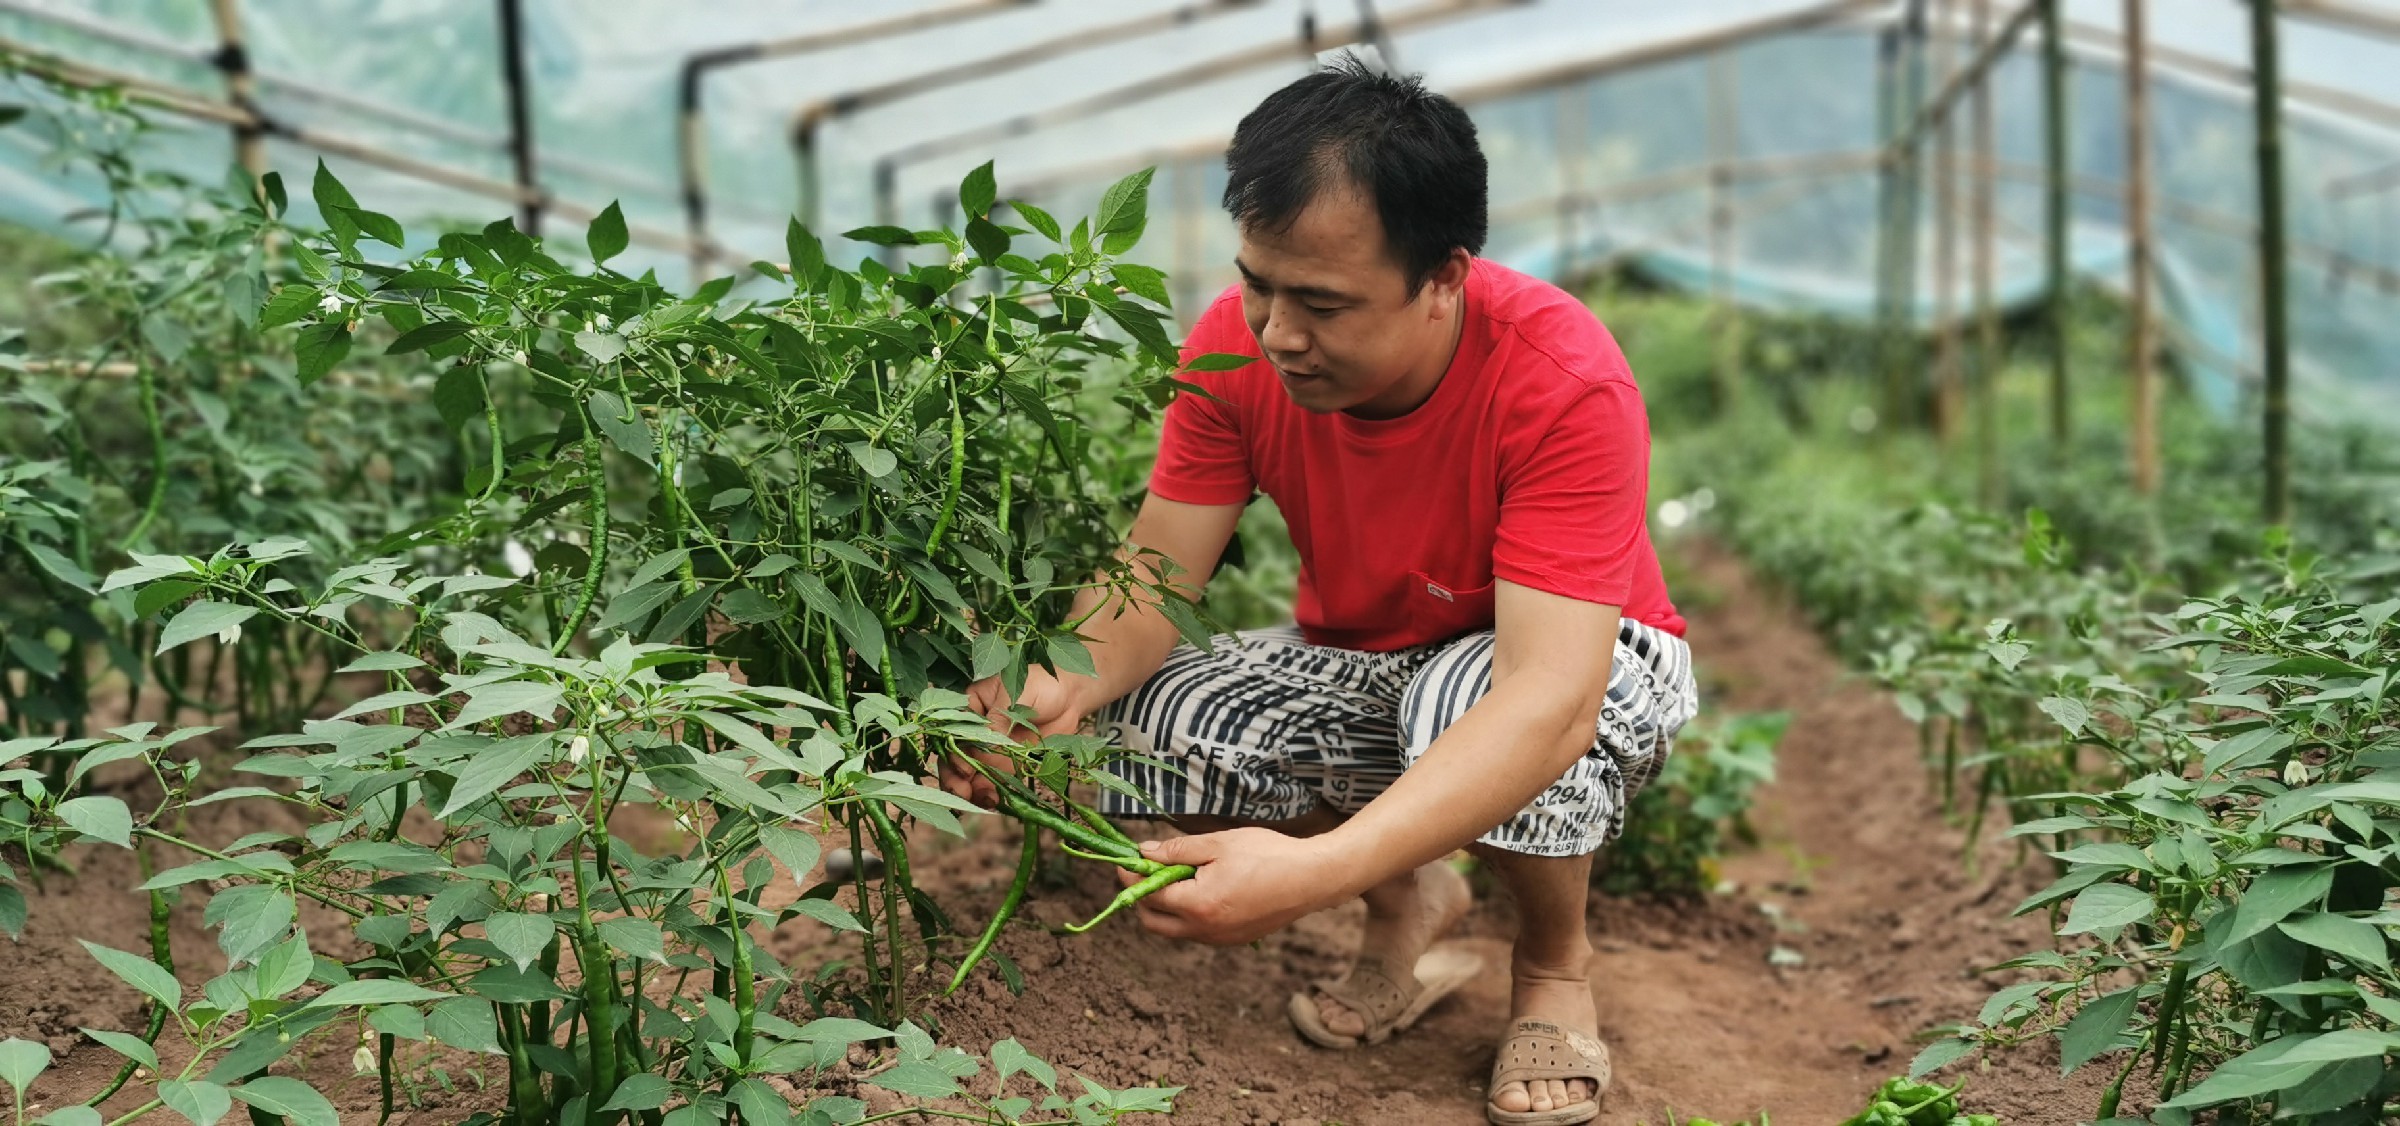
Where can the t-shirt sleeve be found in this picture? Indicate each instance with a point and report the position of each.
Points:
(1202, 454)
(1572, 513)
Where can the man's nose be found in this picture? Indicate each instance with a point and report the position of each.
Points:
(1282, 333)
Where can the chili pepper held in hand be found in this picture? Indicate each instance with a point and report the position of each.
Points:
(1166, 874)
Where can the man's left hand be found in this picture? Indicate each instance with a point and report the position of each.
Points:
(1250, 883)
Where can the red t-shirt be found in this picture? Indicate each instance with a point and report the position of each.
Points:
(1531, 463)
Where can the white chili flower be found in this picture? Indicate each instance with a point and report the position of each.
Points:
(600, 321)
(230, 635)
(577, 748)
(332, 303)
(362, 1061)
(518, 357)
(2295, 773)
(958, 261)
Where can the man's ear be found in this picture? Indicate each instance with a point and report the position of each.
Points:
(1450, 279)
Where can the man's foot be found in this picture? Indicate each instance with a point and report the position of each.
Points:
(1562, 997)
(1402, 923)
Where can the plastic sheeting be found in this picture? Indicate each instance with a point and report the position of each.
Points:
(1608, 168)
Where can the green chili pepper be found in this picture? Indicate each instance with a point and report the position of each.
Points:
(1138, 892)
(958, 474)
(1092, 817)
(1027, 858)
(597, 567)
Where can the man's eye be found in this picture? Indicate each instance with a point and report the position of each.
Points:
(1321, 311)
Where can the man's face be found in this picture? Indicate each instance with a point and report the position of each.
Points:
(1330, 306)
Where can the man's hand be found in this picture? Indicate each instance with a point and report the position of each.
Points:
(1057, 709)
(1250, 882)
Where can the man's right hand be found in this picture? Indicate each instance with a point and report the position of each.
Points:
(1056, 707)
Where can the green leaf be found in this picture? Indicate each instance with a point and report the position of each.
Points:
(493, 767)
(2070, 714)
(334, 203)
(916, 1077)
(297, 1102)
(630, 434)
(382, 662)
(426, 336)
(989, 241)
(12, 912)
(1143, 282)
(100, 817)
(747, 606)
(601, 346)
(991, 654)
(840, 1030)
(290, 303)
(1038, 219)
(319, 348)
(202, 619)
(1010, 1057)
(71, 1116)
(760, 1104)
(977, 191)
(465, 1023)
(876, 461)
(640, 1092)
(374, 991)
(285, 967)
(127, 1045)
(805, 253)
(2272, 898)
(398, 1020)
(520, 936)
(606, 237)
(2360, 943)
(509, 697)
(635, 937)
(2107, 906)
(2098, 1027)
(797, 851)
(21, 1061)
(139, 972)
(199, 1100)
(829, 913)
(401, 699)
(376, 225)
(1938, 1055)
(882, 236)
(1124, 210)
(60, 567)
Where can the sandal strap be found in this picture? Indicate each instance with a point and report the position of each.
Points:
(1537, 1050)
(1373, 992)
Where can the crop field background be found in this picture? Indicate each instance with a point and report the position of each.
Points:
(500, 503)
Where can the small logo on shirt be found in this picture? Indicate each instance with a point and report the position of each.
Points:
(1438, 592)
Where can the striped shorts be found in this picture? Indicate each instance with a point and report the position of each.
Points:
(1268, 726)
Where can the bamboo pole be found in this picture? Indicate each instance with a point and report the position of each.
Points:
(1311, 40)
(520, 116)
(1724, 124)
(1887, 232)
(1985, 376)
(1570, 135)
(1946, 399)
(2276, 405)
(2140, 337)
(2055, 212)
(241, 87)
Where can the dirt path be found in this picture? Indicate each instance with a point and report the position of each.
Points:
(1855, 857)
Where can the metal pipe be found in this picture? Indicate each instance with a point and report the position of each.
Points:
(2276, 404)
(1305, 48)
(817, 113)
(158, 95)
(520, 115)
(691, 132)
(315, 95)
(2055, 211)
(2139, 336)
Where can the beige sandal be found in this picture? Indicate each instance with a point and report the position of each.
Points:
(1537, 1050)
(1389, 1003)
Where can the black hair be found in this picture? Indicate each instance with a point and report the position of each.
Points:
(1412, 151)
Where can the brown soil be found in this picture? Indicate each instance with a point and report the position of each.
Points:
(1858, 872)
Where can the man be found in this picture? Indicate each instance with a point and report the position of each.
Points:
(1485, 655)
